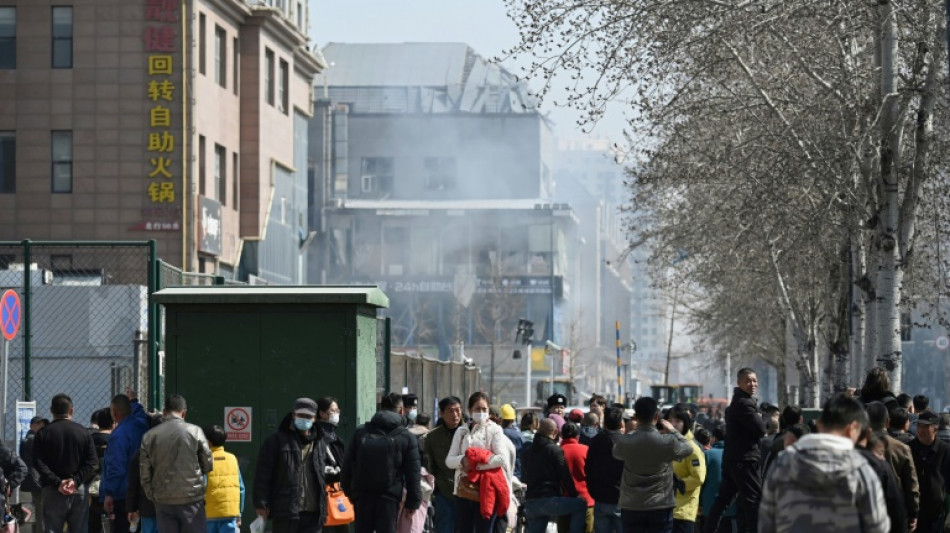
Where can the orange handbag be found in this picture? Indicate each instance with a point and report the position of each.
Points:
(339, 508)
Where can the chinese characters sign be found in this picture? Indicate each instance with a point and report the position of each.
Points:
(162, 42)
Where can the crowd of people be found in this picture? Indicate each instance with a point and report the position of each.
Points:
(872, 461)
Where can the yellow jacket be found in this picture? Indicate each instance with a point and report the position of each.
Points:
(692, 471)
(225, 494)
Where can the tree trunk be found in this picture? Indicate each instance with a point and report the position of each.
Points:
(858, 314)
(890, 274)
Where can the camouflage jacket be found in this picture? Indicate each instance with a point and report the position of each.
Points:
(821, 484)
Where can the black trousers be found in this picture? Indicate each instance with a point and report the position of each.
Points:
(304, 523)
(375, 514)
(742, 482)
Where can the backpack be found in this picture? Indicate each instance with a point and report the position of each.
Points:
(377, 459)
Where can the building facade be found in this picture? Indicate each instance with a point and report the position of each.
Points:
(431, 176)
(179, 121)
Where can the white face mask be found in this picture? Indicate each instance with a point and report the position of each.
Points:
(480, 418)
(334, 418)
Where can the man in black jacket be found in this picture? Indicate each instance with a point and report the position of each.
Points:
(603, 474)
(546, 474)
(932, 461)
(65, 458)
(289, 484)
(745, 428)
(381, 461)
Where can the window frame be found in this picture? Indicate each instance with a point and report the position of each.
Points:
(220, 56)
(220, 173)
(8, 186)
(202, 165)
(283, 89)
(58, 163)
(202, 44)
(56, 61)
(269, 59)
(8, 41)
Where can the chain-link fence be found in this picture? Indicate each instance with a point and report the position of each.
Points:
(84, 327)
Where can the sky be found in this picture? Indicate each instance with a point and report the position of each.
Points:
(483, 24)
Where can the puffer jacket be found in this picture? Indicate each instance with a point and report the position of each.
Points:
(821, 484)
(692, 471)
(407, 463)
(277, 480)
(174, 459)
(647, 455)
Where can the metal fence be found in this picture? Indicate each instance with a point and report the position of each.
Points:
(85, 326)
(431, 379)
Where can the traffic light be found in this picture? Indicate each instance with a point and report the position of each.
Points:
(525, 331)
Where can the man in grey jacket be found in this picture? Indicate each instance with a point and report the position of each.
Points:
(646, 487)
(174, 458)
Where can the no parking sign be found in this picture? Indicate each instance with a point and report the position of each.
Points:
(237, 424)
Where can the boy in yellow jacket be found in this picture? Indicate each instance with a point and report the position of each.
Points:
(690, 473)
(224, 497)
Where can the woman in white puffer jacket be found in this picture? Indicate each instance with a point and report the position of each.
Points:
(480, 433)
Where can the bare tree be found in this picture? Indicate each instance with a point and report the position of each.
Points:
(772, 132)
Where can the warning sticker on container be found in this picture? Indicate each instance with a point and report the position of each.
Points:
(237, 424)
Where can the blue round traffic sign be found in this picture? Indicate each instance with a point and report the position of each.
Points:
(9, 314)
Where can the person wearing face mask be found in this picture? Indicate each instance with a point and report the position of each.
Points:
(328, 418)
(290, 480)
(481, 434)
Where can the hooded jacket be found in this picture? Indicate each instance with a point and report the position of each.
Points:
(745, 428)
(407, 463)
(822, 484)
(123, 443)
(692, 471)
(276, 478)
(647, 456)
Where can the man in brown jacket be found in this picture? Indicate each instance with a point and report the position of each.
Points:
(900, 458)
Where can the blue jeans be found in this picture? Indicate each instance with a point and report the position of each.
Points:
(445, 512)
(607, 518)
(222, 525)
(147, 525)
(655, 521)
(539, 511)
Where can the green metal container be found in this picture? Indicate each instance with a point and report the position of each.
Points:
(256, 349)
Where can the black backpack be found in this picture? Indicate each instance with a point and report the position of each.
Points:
(377, 459)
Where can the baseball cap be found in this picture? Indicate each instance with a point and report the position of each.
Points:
(410, 400)
(628, 414)
(576, 415)
(305, 406)
(928, 418)
(557, 399)
(507, 412)
(494, 411)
